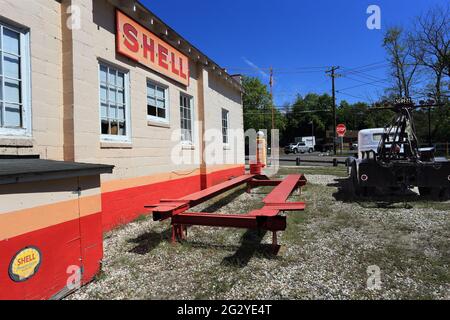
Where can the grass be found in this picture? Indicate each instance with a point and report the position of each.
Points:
(334, 171)
(327, 250)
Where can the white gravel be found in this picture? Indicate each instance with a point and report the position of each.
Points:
(327, 250)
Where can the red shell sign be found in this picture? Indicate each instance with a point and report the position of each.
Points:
(341, 130)
(139, 44)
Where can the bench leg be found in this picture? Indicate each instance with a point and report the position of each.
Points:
(275, 246)
(174, 234)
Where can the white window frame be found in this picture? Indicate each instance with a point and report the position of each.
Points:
(108, 137)
(193, 132)
(165, 120)
(25, 69)
(227, 143)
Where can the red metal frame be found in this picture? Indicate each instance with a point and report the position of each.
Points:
(266, 218)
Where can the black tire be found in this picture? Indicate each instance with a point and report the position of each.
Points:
(354, 179)
(444, 194)
(425, 191)
(311, 150)
(368, 191)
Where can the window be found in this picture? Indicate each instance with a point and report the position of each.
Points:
(114, 111)
(225, 120)
(157, 102)
(14, 81)
(186, 118)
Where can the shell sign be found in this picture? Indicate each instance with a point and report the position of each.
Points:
(25, 264)
(139, 44)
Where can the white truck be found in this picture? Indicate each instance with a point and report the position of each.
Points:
(302, 145)
(310, 142)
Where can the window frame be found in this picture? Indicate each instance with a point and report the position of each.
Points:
(25, 77)
(193, 133)
(109, 137)
(227, 143)
(157, 119)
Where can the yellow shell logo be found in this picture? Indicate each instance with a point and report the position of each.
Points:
(25, 264)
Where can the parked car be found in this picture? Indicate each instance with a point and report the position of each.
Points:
(299, 147)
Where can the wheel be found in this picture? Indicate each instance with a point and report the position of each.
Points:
(368, 191)
(311, 150)
(444, 194)
(295, 151)
(437, 194)
(425, 191)
(354, 178)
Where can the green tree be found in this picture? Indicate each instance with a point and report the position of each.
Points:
(257, 104)
(306, 113)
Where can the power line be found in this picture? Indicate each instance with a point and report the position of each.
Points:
(287, 112)
(350, 95)
(369, 77)
(367, 65)
(279, 69)
(363, 83)
(366, 68)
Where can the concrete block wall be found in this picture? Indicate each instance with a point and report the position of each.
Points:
(43, 19)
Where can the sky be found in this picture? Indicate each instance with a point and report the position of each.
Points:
(298, 38)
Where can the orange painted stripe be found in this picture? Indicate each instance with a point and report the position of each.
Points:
(116, 185)
(23, 221)
(223, 167)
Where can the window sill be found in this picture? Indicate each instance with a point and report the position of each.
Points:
(115, 145)
(226, 147)
(16, 142)
(152, 123)
(188, 147)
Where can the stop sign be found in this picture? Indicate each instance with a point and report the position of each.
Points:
(341, 130)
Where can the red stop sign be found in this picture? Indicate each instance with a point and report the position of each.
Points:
(341, 130)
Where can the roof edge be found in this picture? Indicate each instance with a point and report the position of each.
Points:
(152, 22)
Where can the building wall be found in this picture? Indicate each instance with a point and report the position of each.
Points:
(64, 225)
(53, 216)
(43, 18)
(66, 112)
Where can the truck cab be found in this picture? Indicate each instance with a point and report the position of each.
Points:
(368, 140)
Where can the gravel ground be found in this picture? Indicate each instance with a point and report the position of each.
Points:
(327, 250)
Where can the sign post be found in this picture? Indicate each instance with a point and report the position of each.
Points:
(341, 130)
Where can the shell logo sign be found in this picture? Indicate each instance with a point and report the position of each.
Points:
(25, 264)
(139, 44)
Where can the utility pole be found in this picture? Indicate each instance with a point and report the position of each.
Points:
(429, 127)
(333, 75)
(271, 98)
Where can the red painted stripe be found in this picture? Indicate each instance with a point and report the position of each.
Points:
(121, 207)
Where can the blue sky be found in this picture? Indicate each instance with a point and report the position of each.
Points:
(297, 37)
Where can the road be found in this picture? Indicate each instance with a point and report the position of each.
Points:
(290, 159)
